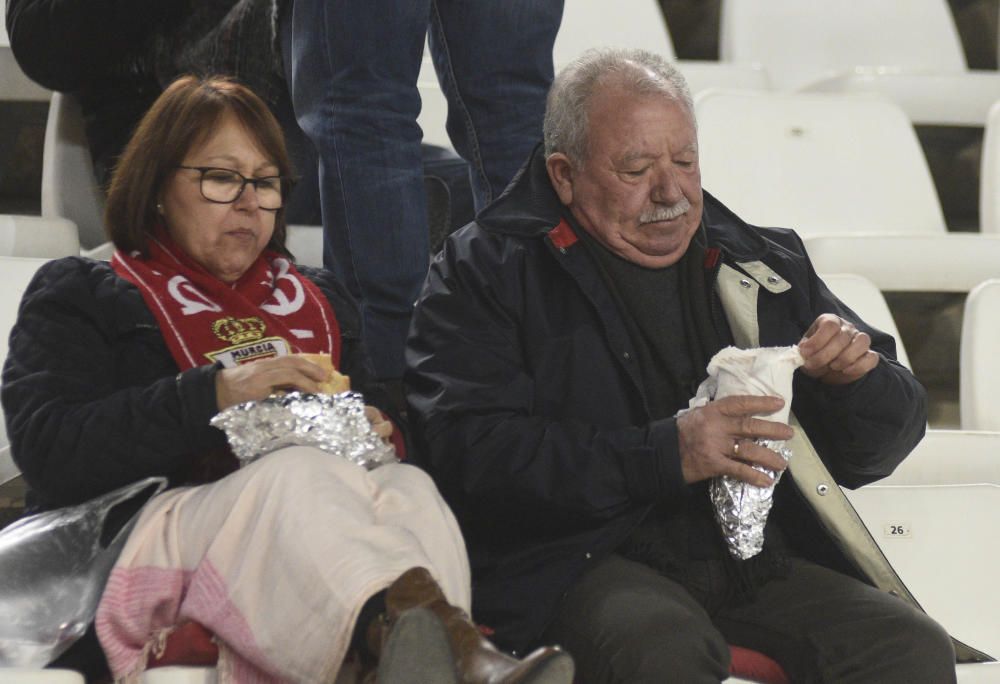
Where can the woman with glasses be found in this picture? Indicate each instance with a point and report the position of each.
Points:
(298, 559)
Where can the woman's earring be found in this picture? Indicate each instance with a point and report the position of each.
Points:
(159, 207)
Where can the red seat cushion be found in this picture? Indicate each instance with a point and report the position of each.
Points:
(189, 644)
(756, 666)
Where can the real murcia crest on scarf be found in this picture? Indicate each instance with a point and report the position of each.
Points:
(239, 330)
(246, 339)
(267, 348)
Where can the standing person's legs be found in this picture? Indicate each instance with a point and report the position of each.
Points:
(302, 206)
(494, 62)
(625, 623)
(822, 626)
(354, 75)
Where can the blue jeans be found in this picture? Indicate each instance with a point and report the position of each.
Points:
(354, 75)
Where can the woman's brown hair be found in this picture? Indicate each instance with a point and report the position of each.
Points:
(184, 115)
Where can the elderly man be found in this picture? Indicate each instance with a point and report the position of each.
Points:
(554, 343)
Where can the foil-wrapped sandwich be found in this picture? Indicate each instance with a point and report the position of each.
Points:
(740, 507)
(335, 423)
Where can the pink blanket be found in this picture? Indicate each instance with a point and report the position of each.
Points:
(276, 560)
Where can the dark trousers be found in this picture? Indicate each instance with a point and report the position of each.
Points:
(624, 622)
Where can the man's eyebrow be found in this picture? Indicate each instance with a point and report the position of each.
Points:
(629, 157)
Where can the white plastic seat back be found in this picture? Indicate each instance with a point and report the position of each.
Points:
(703, 75)
(989, 174)
(597, 23)
(934, 520)
(33, 236)
(866, 300)
(955, 262)
(939, 540)
(433, 115)
(950, 457)
(69, 189)
(306, 244)
(817, 163)
(176, 674)
(979, 359)
(798, 40)
(17, 675)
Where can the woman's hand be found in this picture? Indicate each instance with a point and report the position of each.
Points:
(380, 424)
(260, 379)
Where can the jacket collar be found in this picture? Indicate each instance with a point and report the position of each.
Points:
(529, 207)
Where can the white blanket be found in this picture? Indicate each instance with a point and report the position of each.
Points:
(276, 561)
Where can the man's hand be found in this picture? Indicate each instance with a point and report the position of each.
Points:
(260, 379)
(718, 439)
(836, 352)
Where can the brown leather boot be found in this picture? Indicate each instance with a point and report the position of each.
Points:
(412, 648)
(477, 661)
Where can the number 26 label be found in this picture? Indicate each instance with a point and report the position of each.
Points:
(897, 529)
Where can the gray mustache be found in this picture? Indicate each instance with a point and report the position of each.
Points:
(666, 213)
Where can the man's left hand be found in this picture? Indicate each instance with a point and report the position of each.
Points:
(835, 351)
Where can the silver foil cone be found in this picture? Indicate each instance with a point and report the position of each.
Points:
(334, 423)
(741, 508)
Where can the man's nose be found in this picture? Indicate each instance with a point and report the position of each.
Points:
(666, 189)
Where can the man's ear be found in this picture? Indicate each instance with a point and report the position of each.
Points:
(561, 176)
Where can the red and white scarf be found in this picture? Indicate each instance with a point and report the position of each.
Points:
(272, 310)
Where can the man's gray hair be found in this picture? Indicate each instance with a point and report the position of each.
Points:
(638, 71)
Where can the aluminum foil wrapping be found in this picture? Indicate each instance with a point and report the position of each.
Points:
(334, 423)
(741, 508)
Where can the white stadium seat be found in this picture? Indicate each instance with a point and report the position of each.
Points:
(798, 40)
(979, 359)
(69, 189)
(989, 174)
(176, 674)
(955, 262)
(909, 51)
(306, 244)
(934, 518)
(33, 236)
(817, 163)
(597, 23)
(17, 675)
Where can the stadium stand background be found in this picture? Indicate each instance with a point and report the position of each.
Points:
(929, 323)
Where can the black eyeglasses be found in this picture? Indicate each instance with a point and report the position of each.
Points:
(225, 186)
